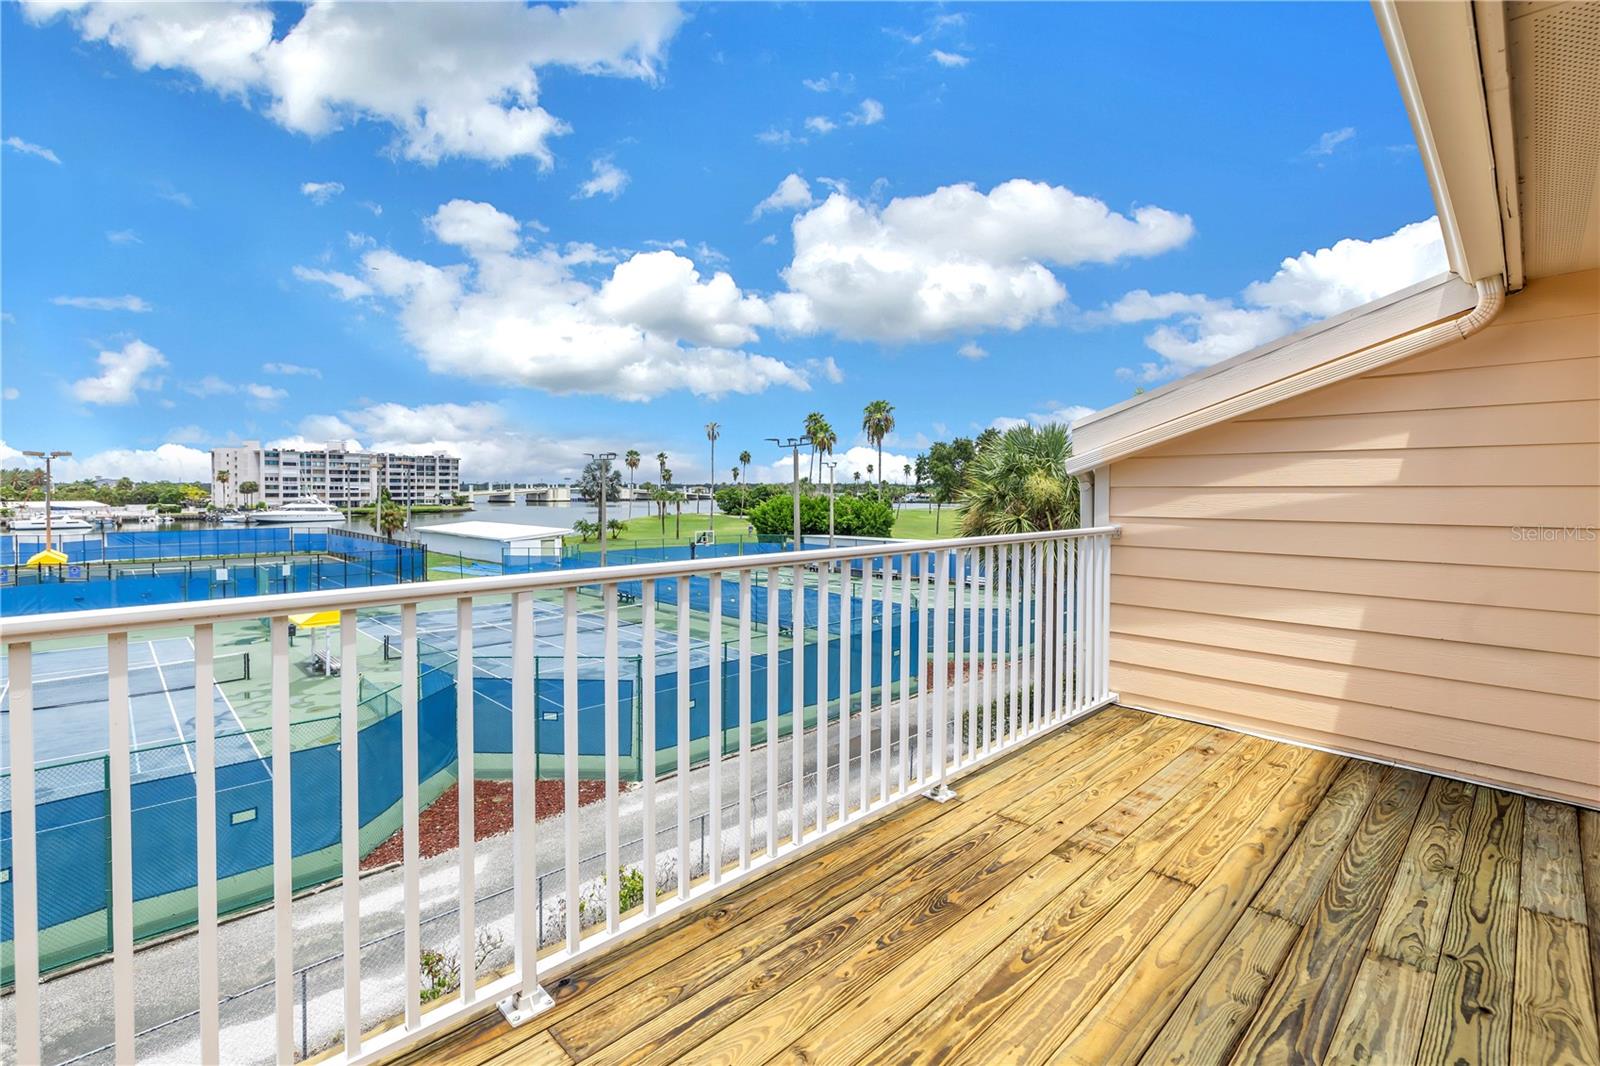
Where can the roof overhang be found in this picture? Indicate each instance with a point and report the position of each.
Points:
(1332, 350)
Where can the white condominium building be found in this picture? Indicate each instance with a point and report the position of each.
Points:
(334, 474)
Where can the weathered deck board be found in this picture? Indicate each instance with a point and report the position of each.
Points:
(1131, 889)
(1469, 1015)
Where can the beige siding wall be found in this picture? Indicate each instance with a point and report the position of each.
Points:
(1345, 568)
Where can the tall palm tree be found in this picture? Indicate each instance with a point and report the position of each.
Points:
(814, 425)
(632, 460)
(222, 479)
(661, 461)
(744, 465)
(822, 441)
(877, 422)
(713, 431)
(1020, 484)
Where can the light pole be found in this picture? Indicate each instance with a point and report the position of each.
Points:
(604, 459)
(830, 467)
(49, 485)
(794, 444)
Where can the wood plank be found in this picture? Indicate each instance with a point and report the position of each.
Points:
(1411, 924)
(1554, 1019)
(1212, 1016)
(1035, 1024)
(1589, 852)
(1127, 1018)
(540, 1049)
(661, 1021)
(1112, 827)
(854, 862)
(1469, 1015)
(1552, 873)
(1193, 856)
(954, 996)
(1299, 878)
(1383, 1016)
(1298, 1016)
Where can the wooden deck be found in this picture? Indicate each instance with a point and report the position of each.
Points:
(1134, 889)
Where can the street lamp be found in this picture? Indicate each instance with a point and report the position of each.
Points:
(49, 485)
(604, 459)
(831, 466)
(794, 444)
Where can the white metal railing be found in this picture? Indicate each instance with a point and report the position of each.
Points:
(979, 645)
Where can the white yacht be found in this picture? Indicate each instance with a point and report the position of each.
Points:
(305, 511)
(61, 521)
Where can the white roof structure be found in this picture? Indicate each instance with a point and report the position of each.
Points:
(490, 541)
(505, 532)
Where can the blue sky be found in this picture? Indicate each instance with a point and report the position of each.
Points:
(522, 233)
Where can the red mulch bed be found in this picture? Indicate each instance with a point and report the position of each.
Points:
(438, 828)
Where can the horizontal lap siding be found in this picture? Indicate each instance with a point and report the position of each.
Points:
(1348, 568)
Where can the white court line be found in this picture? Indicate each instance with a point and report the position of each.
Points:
(211, 708)
(171, 707)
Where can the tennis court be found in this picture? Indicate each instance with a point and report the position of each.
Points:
(72, 712)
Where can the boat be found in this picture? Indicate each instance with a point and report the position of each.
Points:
(60, 522)
(305, 511)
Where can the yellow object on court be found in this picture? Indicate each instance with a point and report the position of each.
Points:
(48, 557)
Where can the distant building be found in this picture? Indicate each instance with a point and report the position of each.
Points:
(334, 474)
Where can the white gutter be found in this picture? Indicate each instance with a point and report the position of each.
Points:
(1491, 296)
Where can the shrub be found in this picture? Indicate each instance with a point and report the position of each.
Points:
(853, 516)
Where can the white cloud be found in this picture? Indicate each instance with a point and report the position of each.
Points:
(264, 395)
(450, 80)
(792, 193)
(1054, 412)
(826, 369)
(187, 434)
(291, 370)
(347, 286)
(123, 373)
(10, 393)
(1306, 287)
(833, 83)
(17, 144)
(949, 59)
(172, 195)
(771, 238)
(856, 458)
(870, 113)
(210, 385)
(489, 444)
(261, 396)
(1330, 141)
(521, 315)
(956, 259)
(320, 192)
(103, 303)
(821, 124)
(779, 138)
(122, 236)
(972, 350)
(169, 462)
(608, 180)
(375, 208)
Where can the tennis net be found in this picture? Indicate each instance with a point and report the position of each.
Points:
(142, 681)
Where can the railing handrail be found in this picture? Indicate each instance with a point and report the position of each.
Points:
(124, 619)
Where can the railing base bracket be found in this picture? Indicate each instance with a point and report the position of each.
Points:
(940, 793)
(520, 1007)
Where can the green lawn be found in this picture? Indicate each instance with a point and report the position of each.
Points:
(910, 524)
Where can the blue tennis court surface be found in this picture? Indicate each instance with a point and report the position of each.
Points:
(72, 713)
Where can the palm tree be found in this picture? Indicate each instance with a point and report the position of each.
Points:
(632, 461)
(661, 495)
(814, 425)
(249, 489)
(822, 441)
(1020, 484)
(877, 422)
(713, 431)
(744, 465)
(222, 479)
(661, 461)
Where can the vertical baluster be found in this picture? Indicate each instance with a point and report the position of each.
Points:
(282, 846)
(613, 735)
(865, 744)
(990, 638)
(647, 743)
(684, 872)
(773, 633)
(1063, 594)
(1014, 720)
(941, 673)
(1080, 602)
(410, 843)
(844, 690)
(1103, 573)
(1047, 617)
(745, 665)
(572, 857)
(925, 669)
(714, 732)
(824, 638)
(466, 794)
(529, 998)
(907, 658)
(349, 823)
(797, 713)
(121, 804)
(205, 841)
(1030, 631)
(885, 671)
(1041, 673)
(24, 858)
(960, 707)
